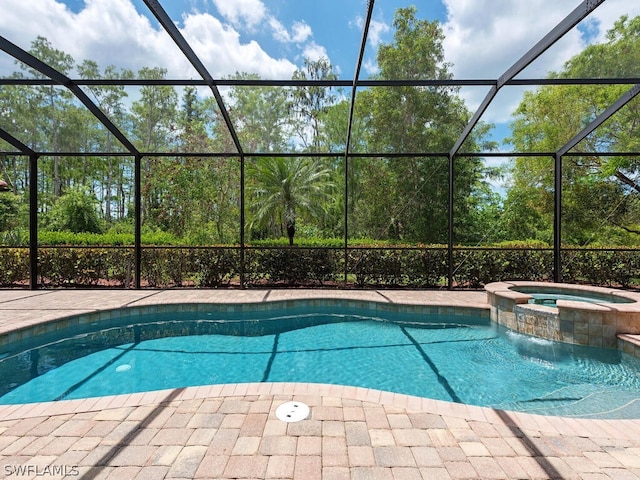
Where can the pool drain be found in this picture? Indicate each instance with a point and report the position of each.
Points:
(292, 412)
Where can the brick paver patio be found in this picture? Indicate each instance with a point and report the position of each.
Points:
(231, 431)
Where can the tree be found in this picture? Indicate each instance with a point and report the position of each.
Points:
(51, 102)
(76, 212)
(154, 113)
(154, 128)
(9, 211)
(417, 119)
(309, 104)
(200, 198)
(111, 100)
(284, 188)
(260, 116)
(600, 193)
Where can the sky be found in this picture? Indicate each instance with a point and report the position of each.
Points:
(272, 37)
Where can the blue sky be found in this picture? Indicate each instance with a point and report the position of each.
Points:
(272, 37)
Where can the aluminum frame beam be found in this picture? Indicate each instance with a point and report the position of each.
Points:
(356, 76)
(7, 137)
(61, 79)
(231, 82)
(600, 119)
(570, 21)
(173, 31)
(352, 106)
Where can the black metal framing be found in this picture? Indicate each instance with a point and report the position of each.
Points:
(53, 77)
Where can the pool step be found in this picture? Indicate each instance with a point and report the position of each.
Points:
(629, 343)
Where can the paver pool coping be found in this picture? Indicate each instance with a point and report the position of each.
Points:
(568, 448)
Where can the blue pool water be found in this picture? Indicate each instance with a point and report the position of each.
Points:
(550, 296)
(457, 358)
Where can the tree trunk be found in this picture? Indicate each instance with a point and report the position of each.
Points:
(291, 231)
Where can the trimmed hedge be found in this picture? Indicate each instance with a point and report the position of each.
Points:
(14, 266)
(293, 266)
(386, 267)
(85, 267)
(198, 267)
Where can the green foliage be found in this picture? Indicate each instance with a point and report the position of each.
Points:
(413, 267)
(475, 267)
(414, 207)
(292, 266)
(72, 266)
(14, 238)
(201, 267)
(302, 242)
(261, 115)
(48, 237)
(15, 266)
(215, 267)
(310, 104)
(602, 267)
(285, 188)
(112, 238)
(76, 212)
(212, 267)
(600, 194)
(9, 211)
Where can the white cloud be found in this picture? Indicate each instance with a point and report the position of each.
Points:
(280, 32)
(376, 30)
(221, 51)
(112, 32)
(103, 31)
(300, 31)
(483, 38)
(371, 66)
(249, 12)
(314, 52)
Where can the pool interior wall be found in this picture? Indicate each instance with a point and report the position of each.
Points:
(65, 339)
(113, 318)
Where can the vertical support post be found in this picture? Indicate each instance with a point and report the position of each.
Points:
(33, 221)
(451, 230)
(346, 217)
(137, 255)
(557, 219)
(242, 221)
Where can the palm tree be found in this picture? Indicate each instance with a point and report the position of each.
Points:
(284, 188)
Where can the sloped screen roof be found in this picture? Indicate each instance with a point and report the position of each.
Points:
(493, 50)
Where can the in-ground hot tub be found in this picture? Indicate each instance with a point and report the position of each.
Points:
(577, 314)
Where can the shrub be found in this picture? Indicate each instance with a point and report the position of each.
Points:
(215, 267)
(73, 266)
(15, 266)
(76, 212)
(291, 266)
(376, 267)
(426, 267)
(163, 267)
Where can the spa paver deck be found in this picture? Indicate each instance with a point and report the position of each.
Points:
(231, 431)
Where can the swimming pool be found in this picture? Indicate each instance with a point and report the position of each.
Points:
(454, 357)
